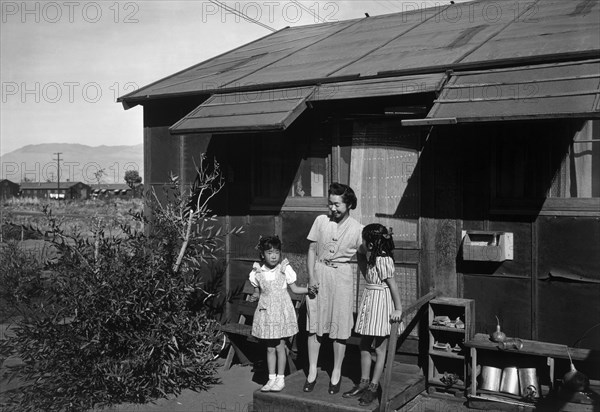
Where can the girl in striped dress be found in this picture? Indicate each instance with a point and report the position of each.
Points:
(380, 305)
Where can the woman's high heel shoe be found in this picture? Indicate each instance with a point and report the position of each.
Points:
(333, 389)
(309, 386)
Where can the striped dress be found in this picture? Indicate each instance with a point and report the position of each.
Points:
(376, 305)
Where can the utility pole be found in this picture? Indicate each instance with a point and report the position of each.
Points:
(58, 173)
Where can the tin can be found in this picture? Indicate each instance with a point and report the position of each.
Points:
(510, 380)
(490, 378)
(528, 383)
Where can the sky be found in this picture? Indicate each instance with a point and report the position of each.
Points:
(63, 64)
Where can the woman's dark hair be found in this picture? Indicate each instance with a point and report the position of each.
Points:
(382, 241)
(266, 243)
(346, 192)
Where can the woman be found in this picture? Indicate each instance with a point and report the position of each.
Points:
(334, 238)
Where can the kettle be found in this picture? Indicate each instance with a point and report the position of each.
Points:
(574, 380)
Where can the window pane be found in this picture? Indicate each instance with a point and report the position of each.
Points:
(579, 174)
(527, 156)
(290, 166)
(310, 179)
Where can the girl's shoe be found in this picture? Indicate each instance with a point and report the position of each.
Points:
(369, 395)
(309, 386)
(269, 386)
(278, 385)
(357, 389)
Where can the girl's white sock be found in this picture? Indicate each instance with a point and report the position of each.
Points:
(273, 376)
(279, 376)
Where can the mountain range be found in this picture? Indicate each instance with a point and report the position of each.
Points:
(78, 162)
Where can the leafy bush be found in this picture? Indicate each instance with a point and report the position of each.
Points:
(124, 323)
(21, 279)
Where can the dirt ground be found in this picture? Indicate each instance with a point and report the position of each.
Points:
(234, 394)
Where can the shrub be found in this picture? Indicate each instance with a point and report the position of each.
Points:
(21, 279)
(123, 324)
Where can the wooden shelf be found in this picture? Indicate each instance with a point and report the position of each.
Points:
(436, 381)
(482, 346)
(440, 361)
(446, 329)
(536, 348)
(445, 354)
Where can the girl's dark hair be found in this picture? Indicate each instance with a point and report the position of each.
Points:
(266, 243)
(346, 192)
(382, 241)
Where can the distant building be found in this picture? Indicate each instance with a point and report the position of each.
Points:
(52, 190)
(8, 189)
(120, 190)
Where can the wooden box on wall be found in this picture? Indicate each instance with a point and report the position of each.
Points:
(487, 246)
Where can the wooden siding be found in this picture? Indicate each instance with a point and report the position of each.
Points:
(457, 174)
(529, 303)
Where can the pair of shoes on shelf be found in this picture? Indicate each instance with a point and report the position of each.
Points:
(309, 386)
(357, 389)
(274, 385)
(369, 395)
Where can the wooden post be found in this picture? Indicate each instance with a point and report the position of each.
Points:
(393, 342)
(473, 371)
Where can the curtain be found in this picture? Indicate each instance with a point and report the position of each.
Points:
(579, 174)
(382, 167)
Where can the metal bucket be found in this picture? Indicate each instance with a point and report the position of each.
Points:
(490, 378)
(528, 383)
(510, 380)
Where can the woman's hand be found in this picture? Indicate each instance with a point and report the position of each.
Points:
(312, 291)
(254, 297)
(396, 315)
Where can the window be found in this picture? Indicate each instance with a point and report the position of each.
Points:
(547, 166)
(579, 173)
(382, 172)
(292, 172)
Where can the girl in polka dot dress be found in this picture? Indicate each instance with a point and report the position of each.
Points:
(275, 317)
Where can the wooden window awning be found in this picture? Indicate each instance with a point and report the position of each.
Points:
(380, 87)
(559, 90)
(265, 110)
(276, 109)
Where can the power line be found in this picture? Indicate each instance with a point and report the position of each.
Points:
(396, 8)
(242, 15)
(384, 6)
(58, 171)
(312, 13)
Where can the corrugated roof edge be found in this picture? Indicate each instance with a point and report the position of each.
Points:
(122, 99)
(260, 87)
(130, 101)
(549, 58)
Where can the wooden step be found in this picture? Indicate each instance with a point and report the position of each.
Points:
(407, 382)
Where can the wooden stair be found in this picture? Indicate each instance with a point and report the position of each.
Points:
(399, 384)
(408, 382)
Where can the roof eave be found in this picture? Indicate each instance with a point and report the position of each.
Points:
(549, 58)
